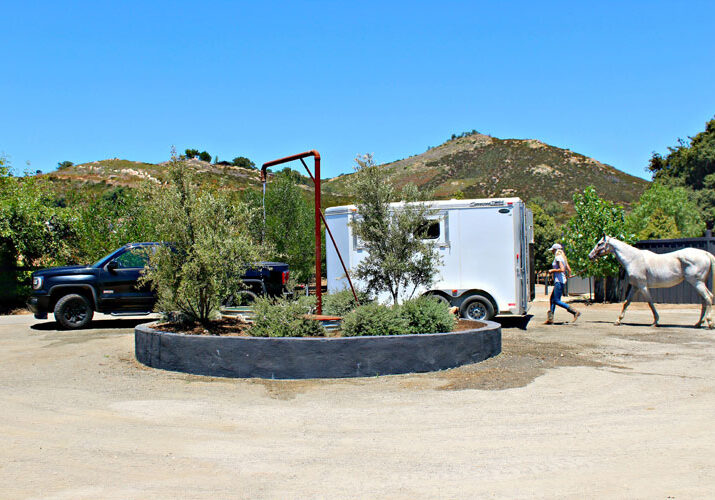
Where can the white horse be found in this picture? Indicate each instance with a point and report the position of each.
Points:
(646, 270)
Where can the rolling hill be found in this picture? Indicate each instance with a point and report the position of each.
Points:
(481, 166)
(470, 166)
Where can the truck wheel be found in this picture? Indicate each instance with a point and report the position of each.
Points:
(73, 311)
(477, 308)
(242, 298)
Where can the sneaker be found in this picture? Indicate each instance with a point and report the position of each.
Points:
(575, 316)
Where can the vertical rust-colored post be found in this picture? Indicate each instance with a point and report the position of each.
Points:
(318, 237)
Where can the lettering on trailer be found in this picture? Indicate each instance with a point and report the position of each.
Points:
(493, 203)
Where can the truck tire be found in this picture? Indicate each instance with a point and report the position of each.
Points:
(244, 297)
(477, 308)
(73, 311)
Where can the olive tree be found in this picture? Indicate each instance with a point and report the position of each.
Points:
(208, 246)
(398, 260)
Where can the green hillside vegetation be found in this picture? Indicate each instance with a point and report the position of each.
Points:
(691, 165)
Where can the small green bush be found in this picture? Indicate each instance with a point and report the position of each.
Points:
(374, 319)
(427, 315)
(342, 302)
(284, 318)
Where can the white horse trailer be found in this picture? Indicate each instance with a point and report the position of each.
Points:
(486, 247)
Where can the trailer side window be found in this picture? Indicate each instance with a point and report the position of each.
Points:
(430, 230)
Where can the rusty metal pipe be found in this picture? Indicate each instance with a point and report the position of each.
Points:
(318, 238)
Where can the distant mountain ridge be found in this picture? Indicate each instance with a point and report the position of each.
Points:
(481, 166)
(470, 166)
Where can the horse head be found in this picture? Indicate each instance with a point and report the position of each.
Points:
(603, 247)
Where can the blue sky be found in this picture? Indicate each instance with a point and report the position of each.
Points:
(83, 81)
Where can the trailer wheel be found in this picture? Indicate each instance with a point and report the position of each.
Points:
(477, 308)
(439, 297)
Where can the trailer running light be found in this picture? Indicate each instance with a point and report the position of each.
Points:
(284, 277)
(512, 305)
(454, 292)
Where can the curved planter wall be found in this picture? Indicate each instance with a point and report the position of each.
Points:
(297, 358)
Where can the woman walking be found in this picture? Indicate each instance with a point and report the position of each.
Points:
(560, 269)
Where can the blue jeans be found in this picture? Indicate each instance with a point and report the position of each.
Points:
(556, 297)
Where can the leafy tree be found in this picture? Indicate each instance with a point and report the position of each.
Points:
(204, 156)
(191, 153)
(665, 204)
(34, 231)
(399, 260)
(64, 164)
(210, 247)
(691, 164)
(546, 233)
(289, 229)
(659, 226)
(107, 221)
(594, 217)
(242, 161)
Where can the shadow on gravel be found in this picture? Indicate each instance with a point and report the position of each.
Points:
(647, 325)
(99, 324)
(520, 322)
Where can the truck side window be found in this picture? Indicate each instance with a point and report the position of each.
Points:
(132, 259)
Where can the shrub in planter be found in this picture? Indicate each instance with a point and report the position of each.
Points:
(284, 318)
(342, 302)
(427, 315)
(374, 319)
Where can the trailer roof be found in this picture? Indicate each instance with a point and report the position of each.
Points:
(440, 204)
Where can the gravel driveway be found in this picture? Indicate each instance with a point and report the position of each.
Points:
(567, 411)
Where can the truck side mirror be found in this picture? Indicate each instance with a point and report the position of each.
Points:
(112, 266)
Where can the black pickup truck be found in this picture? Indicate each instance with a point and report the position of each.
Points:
(110, 286)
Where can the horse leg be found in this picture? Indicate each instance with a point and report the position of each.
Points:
(707, 303)
(629, 297)
(646, 296)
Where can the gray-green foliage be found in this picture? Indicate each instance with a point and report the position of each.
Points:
(427, 315)
(374, 320)
(342, 302)
(594, 217)
(398, 261)
(666, 212)
(211, 246)
(421, 315)
(284, 318)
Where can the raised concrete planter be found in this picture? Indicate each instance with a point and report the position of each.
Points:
(299, 358)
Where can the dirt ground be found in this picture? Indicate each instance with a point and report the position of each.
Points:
(566, 411)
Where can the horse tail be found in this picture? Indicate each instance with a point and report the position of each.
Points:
(712, 268)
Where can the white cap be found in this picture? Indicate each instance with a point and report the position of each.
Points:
(555, 247)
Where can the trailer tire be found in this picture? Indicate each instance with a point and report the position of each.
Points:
(477, 308)
(439, 297)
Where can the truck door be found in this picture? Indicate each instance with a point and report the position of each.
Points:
(118, 288)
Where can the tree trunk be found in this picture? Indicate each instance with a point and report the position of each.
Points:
(604, 290)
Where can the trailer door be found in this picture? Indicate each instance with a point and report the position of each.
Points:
(527, 283)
